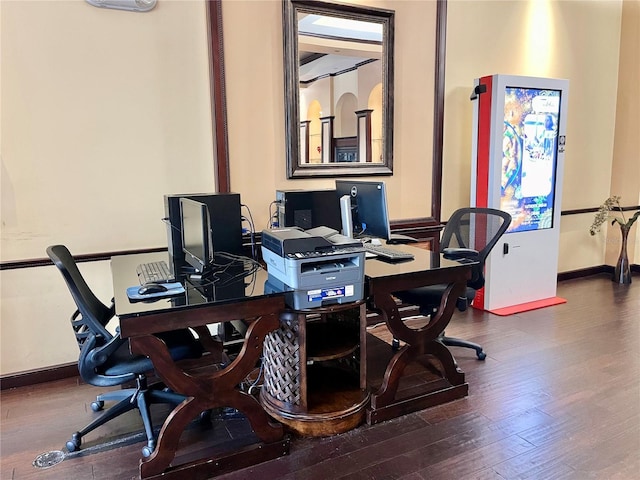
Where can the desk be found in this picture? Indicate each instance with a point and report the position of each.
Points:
(382, 280)
(206, 390)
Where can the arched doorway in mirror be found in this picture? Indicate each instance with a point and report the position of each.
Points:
(346, 129)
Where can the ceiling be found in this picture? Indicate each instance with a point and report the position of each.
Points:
(330, 45)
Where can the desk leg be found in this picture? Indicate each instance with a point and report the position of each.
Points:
(419, 342)
(206, 392)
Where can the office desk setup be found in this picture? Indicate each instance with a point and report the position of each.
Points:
(206, 390)
(380, 368)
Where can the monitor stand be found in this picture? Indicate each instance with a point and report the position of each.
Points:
(345, 216)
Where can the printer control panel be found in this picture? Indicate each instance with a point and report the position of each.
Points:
(324, 253)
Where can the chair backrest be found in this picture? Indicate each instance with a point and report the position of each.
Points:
(88, 322)
(478, 229)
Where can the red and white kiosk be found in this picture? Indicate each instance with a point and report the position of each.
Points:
(517, 166)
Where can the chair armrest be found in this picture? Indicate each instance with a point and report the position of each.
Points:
(461, 253)
(399, 239)
(98, 355)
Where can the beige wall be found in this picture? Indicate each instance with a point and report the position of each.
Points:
(255, 101)
(102, 110)
(89, 93)
(625, 180)
(485, 38)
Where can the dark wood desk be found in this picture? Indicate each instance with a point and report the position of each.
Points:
(208, 389)
(442, 381)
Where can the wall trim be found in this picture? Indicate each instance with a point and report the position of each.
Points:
(218, 91)
(87, 257)
(580, 211)
(589, 271)
(33, 377)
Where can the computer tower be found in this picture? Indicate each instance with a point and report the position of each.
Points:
(225, 219)
(308, 208)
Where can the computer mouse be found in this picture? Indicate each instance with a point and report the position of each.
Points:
(149, 288)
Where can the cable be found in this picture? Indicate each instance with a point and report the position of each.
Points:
(166, 220)
(273, 215)
(252, 230)
(250, 266)
(219, 274)
(254, 384)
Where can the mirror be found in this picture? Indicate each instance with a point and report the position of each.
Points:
(338, 89)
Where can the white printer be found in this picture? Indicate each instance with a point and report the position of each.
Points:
(311, 270)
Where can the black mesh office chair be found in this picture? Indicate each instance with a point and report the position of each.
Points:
(470, 234)
(105, 359)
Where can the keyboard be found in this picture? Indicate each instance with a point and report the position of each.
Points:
(387, 253)
(154, 272)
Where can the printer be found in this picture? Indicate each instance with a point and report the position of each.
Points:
(311, 270)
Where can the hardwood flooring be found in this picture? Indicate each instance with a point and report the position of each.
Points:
(558, 397)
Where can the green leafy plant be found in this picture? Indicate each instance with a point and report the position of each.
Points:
(605, 213)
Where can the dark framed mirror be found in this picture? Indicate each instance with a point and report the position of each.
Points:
(338, 61)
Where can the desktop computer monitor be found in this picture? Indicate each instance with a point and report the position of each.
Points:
(197, 243)
(368, 205)
(308, 208)
(225, 221)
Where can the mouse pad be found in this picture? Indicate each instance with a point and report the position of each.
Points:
(173, 289)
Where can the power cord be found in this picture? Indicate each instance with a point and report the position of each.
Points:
(252, 230)
(273, 215)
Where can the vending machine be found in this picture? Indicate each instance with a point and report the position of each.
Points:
(519, 140)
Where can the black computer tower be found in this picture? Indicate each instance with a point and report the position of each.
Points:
(308, 209)
(225, 220)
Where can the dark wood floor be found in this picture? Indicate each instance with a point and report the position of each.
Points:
(558, 397)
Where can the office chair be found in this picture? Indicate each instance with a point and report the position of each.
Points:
(470, 234)
(105, 359)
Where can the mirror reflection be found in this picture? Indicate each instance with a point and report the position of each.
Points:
(340, 77)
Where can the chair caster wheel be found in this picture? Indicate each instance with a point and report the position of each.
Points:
(147, 451)
(97, 405)
(481, 355)
(205, 417)
(74, 443)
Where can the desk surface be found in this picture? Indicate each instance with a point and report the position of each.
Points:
(423, 260)
(235, 287)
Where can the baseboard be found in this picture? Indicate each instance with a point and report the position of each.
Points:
(587, 272)
(33, 377)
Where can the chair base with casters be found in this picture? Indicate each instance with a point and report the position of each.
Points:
(456, 342)
(452, 342)
(120, 362)
(141, 397)
(461, 304)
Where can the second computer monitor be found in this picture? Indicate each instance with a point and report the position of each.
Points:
(197, 242)
(369, 212)
(308, 208)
